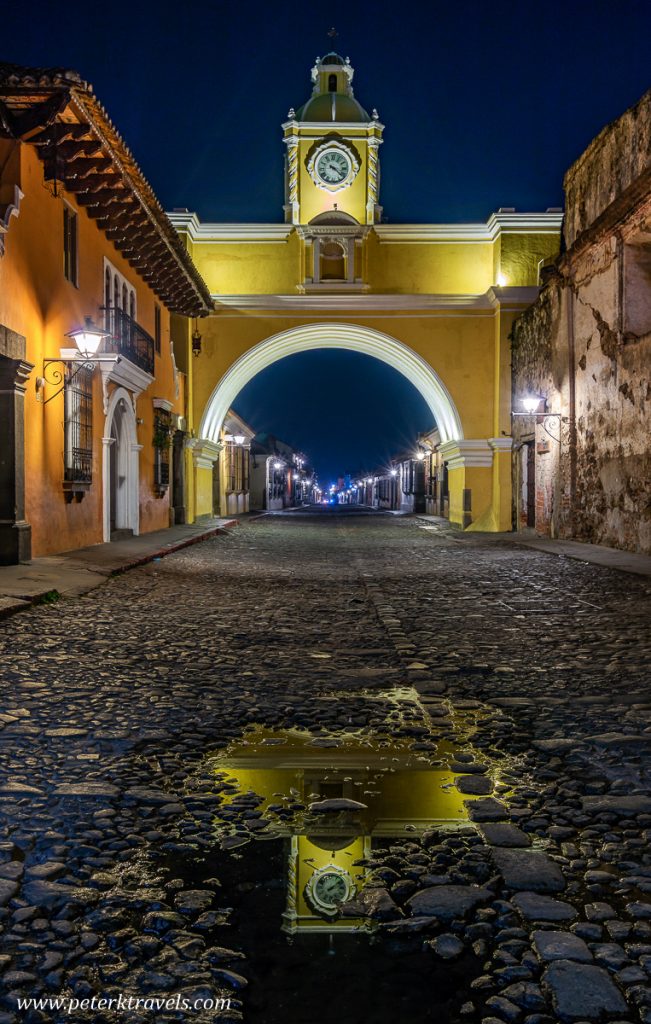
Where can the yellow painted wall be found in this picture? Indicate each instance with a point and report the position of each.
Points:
(454, 268)
(250, 268)
(38, 302)
(520, 255)
(400, 268)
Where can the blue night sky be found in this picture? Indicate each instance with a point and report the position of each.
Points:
(485, 105)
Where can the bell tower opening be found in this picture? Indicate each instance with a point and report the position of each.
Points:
(332, 83)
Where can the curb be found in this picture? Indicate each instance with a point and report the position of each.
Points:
(11, 605)
(169, 549)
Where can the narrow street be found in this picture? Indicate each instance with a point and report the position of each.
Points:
(470, 718)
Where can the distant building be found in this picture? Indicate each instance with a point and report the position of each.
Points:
(280, 475)
(88, 410)
(232, 472)
(582, 355)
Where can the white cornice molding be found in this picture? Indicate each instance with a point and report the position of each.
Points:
(501, 444)
(470, 454)
(356, 303)
(432, 234)
(114, 369)
(189, 223)
(204, 451)
(332, 126)
(513, 299)
(498, 223)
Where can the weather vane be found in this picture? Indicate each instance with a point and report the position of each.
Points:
(332, 34)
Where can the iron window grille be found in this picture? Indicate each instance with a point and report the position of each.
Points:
(78, 424)
(162, 436)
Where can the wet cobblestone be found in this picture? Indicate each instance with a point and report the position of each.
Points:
(111, 703)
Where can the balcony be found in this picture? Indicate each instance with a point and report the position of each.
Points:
(128, 339)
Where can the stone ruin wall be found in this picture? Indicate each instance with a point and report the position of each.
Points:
(609, 168)
(613, 407)
(595, 289)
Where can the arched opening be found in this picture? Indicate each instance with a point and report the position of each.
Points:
(120, 468)
(353, 337)
(333, 261)
(332, 83)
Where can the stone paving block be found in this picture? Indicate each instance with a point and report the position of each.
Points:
(487, 809)
(582, 992)
(529, 870)
(536, 907)
(504, 834)
(550, 945)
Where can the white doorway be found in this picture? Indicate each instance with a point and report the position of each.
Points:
(120, 468)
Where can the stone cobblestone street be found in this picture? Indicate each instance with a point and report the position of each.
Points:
(113, 875)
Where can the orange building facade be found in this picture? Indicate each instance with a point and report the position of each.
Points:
(87, 442)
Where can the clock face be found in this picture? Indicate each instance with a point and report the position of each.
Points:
(333, 166)
(328, 888)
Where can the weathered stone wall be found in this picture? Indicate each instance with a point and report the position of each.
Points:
(613, 407)
(537, 370)
(613, 163)
(586, 346)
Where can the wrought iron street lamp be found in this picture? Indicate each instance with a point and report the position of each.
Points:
(88, 340)
(535, 405)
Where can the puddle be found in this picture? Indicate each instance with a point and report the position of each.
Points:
(305, 823)
(332, 799)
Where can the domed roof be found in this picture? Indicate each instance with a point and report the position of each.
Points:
(332, 106)
(332, 58)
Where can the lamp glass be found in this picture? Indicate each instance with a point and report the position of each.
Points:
(89, 337)
(531, 403)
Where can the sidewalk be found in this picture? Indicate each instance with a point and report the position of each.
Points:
(597, 554)
(72, 573)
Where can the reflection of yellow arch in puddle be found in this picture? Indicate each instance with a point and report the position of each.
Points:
(412, 793)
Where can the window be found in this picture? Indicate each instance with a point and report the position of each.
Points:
(70, 253)
(636, 309)
(162, 436)
(332, 83)
(333, 262)
(157, 328)
(78, 424)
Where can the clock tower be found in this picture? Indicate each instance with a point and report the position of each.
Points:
(332, 164)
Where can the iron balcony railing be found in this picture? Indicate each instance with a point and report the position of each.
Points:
(128, 339)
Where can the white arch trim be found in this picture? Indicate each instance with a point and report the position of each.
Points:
(353, 337)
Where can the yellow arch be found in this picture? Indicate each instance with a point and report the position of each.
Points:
(353, 337)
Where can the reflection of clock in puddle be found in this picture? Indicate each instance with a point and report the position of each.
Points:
(329, 799)
(328, 888)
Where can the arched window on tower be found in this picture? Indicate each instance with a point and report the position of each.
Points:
(332, 83)
(333, 262)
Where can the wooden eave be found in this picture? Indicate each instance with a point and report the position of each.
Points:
(83, 154)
